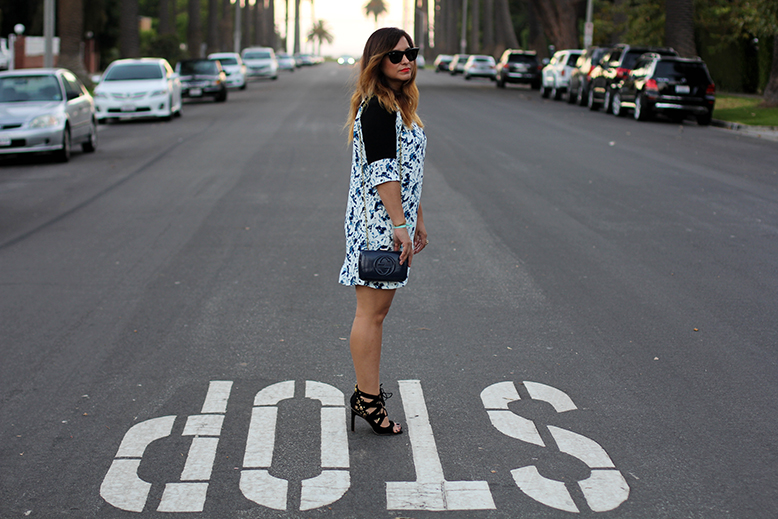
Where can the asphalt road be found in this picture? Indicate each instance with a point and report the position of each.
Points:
(593, 327)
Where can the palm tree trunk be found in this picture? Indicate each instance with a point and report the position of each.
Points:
(259, 24)
(679, 27)
(296, 26)
(771, 90)
(475, 27)
(129, 38)
(452, 34)
(213, 25)
(194, 37)
(165, 27)
(245, 21)
(270, 24)
(506, 36)
(488, 45)
(71, 30)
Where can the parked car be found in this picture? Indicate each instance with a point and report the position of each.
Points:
(286, 62)
(479, 66)
(676, 87)
(518, 66)
(233, 66)
(304, 60)
(202, 78)
(45, 110)
(555, 77)
(135, 88)
(261, 62)
(612, 70)
(442, 62)
(457, 65)
(580, 77)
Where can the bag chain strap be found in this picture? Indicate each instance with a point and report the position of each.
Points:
(363, 157)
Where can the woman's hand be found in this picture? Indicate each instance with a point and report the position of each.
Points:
(402, 240)
(420, 238)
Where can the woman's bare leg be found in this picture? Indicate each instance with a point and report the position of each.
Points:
(365, 341)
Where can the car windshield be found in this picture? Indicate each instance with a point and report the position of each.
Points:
(256, 55)
(676, 70)
(484, 60)
(189, 68)
(522, 58)
(228, 61)
(29, 88)
(632, 56)
(134, 72)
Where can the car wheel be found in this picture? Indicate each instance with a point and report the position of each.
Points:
(544, 92)
(91, 144)
(642, 112)
(536, 85)
(570, 96)
(591, 102)
(63, 155)
(556, 93)
(222, 97)
(243, 86)
(467, 77)
(616, 107)
(169, 114)
(582, 96)
(606, 102)
(705, 119)
(500, 83)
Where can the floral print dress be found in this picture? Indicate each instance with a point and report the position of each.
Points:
(411, 147)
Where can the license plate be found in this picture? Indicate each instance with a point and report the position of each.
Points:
(682, 89)
(5, 141)
(195, 92)
(128, 108)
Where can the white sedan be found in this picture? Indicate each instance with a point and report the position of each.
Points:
(233, 66)
(135, 88)
(556, 75)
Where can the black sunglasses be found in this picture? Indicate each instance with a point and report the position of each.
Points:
(396, 56)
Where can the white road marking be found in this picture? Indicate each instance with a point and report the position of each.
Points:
(261, 438)
(183, 497)
(199, 461)
(204, 425)
(217, 397)
(262, 488)
(121, 486)
(605, 489)
(330, 485)
(430, 491)
(558, 399)
(547, 491)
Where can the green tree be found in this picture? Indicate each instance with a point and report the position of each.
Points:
(320, 33)
(375, 8)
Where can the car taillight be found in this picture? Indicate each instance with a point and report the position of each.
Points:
(711, 90)
(652, 86)
(563, 73)
(622, 72)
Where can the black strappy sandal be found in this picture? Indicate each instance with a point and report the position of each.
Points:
(373, 410)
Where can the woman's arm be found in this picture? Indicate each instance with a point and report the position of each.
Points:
(392, 200)
(420, 237)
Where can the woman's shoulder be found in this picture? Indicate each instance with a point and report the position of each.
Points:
(376, 117)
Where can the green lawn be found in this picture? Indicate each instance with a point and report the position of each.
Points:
(744, 110)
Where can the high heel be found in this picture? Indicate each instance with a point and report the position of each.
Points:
(372, 408)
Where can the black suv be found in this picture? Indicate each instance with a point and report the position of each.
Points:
(613, 68)
(519, 66)
(578, 89)
(674, 86)
(201, 78)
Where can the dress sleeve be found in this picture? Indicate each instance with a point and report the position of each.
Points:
(379, 135)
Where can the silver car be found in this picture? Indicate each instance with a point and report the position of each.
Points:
(45, 110)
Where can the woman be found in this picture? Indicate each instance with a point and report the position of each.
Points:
(388, 159)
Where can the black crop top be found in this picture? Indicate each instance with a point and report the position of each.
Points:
(378, 132)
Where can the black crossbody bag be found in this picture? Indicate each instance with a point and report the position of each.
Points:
(381, 264)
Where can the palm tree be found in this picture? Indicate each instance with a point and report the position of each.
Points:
(194, 36)
(320, 33)
(129, 36)
(71, 32)
(376, 8)
(296, 27)
(679, 27)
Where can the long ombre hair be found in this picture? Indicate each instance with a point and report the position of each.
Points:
(373, 83)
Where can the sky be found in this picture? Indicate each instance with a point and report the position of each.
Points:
(345, 20)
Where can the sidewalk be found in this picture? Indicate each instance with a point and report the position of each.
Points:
(760, 132)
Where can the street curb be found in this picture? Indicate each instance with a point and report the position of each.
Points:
(771, 132)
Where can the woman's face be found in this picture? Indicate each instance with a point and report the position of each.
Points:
(397, 74)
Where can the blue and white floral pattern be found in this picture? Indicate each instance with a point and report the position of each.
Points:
(411, 146)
